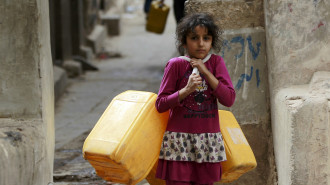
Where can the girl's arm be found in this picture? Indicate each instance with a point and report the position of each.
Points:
(220, 82)
(168, 95)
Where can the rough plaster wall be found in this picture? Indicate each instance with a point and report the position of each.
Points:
(303, 115)
(298, 38)
(19, 89)
(313, 140)
(26, 93)
(283, 144)
(47, 129)
(297, 47)
(234, 14)
(22, 152)
(244, 51)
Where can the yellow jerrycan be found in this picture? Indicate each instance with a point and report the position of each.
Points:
(240, 157)
(157, 16)
(124, 144)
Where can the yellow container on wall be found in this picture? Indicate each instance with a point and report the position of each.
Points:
(240, 157)
(124, 144)
(157, 17)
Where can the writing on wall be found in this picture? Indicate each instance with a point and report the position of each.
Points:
(253, 50)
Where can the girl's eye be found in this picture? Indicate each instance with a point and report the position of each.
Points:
(193, 38)
(207, 38)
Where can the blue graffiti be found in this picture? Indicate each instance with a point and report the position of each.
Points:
(244, 76)
(247, 78)
(254, 53)
(254, 50)
(240, 40)
(226, 45)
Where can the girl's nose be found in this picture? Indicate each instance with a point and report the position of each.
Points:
(201, 42)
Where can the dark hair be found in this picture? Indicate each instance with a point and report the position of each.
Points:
(188, 25)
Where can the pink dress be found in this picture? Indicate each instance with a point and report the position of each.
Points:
(192, 146)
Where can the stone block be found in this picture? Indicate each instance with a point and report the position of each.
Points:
(26, 94)
(96, 39)
(244, 52)
(296, 54)
(72, 68)
(112, 23)
(301, 132)
(22, 148)
(233, 14)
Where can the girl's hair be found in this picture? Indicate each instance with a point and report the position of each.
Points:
(189, 23)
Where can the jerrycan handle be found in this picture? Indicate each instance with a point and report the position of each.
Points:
(161, 3)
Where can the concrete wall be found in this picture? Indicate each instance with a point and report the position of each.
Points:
(302, 132)
(298, 48)
(244, 51)
(297, 41)
(26, 93)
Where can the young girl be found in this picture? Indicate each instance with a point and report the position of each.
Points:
(192, 146)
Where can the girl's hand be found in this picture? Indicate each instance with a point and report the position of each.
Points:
(193, 81)
(194, 62)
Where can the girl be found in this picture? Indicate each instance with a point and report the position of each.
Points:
(192, 146)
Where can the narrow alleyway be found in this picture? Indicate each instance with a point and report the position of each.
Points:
(143, 56)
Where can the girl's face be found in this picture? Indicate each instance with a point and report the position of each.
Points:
(198, 43)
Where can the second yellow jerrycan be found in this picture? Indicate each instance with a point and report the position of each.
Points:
(240, 157)
(157, 16)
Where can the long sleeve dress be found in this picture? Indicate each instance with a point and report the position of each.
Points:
(192, 146)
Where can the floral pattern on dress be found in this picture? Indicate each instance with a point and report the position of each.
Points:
(202, 147)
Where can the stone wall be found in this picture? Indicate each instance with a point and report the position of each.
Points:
(231, 14)
(244, 51)
(26, 93)
(297, 41)
(297, 51)
(302, 132)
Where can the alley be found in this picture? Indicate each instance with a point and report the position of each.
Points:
(276, 53)
(138, 66)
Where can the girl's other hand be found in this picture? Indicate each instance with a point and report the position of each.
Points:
(194, 62)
